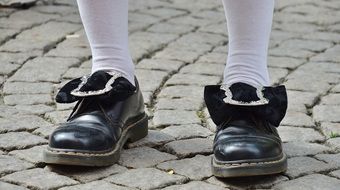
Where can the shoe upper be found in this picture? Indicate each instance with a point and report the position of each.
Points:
(246, 118)
(106, 104)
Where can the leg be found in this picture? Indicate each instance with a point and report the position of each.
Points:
(246, 113)
(110, 107)
(106, 26)
(249, 25)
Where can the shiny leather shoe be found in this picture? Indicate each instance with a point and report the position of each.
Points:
(246, 142)
(109, 113)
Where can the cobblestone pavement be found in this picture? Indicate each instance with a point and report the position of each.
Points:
(178, 47)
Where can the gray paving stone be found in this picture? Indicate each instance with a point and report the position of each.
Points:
(44, 69)
(32, 178)
(299, 101)
(38, 109)
(96, 185)
(150, 80)
(310, 45)
(330, 99)
(41, 38)
(330, 55)
(297, 119)
(335, 173)
(310, 182)
(143, 157)
(204, 38)
(213, 57)
(298, 134)
(284, 62)
(154, 138)
(203, 68)
(190, 147)
(170, 28)
(254, 182)
(330, 129)
(196, 168)
(334, 142)
(144, 178)
(178, 104)
(194, 92)
(173, 117)
(57, 117)
(10, 62)
(20, 123)
(44, 131)
(293, 149)
(192, 79)
(9, 186)
(328, 113)
(19, 140)
(28, 99)
(299, 166)
(73, 73)
(336, 88)
(277, 74)
(86, 174)
(17, 3)
(294, 53)
(190, 47)
(187, 131)
(194, 185)
(160, 64)
(9, 164)
(33, 155)
(50, 9)
(330, 158)
(177, 55)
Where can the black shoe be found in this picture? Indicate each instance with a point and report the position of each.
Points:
(109, 112)
(247, 142)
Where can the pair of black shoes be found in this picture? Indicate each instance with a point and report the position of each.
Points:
(110, 112)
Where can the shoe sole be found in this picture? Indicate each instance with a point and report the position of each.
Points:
(249, 169)
(134, 132)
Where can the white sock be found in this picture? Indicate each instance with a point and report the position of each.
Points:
(106, 26)
(249, 26)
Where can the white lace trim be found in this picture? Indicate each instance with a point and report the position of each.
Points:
(259, 92)
(108, 87)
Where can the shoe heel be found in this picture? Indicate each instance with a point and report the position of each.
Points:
(139, 130)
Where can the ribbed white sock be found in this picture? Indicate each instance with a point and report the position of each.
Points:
(106, 26)
(249, 26)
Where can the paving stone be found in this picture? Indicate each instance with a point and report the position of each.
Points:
(189, 147)
(9, 164)
(187, 131)
(335, 173)
(330, 99)
(150, 80)
(299, 101)
(38, 109)
(310, 182)
(19, 140)
(194, 185)
(192, 79)
(45, 131)
(310, 45)
(330, 129)
(284, 62)
(328, 113)
(96, 185)
(51, 9)
(178, 104)
(196, 168)
(297, 119)
(293, 149)
(177, 55)
(277, 74)
(41, 38)
(334, 142)
(21, 123)
(297, 134)
(32, 178)
(203, 68)
(144, 178)
(170, 28)
(73, 73)
(173, 117)
(193, 92)
(33, 155)
(154, 138)
(294, 53)
(9, 186)
(44, 69)
(28, 99)
(329, 55)
(213, 57)
(254, 182)
(200, 37)
(86, 174)
(336, 88)
(200, 49)
(58, 117)
(17, 3)
(160, 64)
(143, 157)
(299, 166)
(333, 159)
